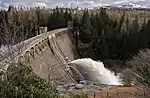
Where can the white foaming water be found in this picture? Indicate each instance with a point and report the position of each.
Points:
(3, 48)
(96, 72)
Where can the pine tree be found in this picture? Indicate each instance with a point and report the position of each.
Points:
(85, 28)
(67, 16)
(128, 26)
(135, 25)
(104, 20)
(76, 21)
(147, 34)
(104, 45)
(121, 22)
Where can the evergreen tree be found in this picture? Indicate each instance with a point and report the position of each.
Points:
(147, 35)
(85, 28)
(135, 25)
(104, 45)
(67, 16)
(76, 21)
(121, 22)
(128, 26)
(104, 20)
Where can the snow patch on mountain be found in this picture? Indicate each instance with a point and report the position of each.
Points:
(76, 3)
(132, 5)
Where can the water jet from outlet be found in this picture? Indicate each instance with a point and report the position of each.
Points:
(96, 72)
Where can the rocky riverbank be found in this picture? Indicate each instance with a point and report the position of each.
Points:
(79, 88)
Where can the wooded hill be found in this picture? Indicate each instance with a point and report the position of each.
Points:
(113, 34)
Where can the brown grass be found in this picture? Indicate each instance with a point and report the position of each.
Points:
(121, 92)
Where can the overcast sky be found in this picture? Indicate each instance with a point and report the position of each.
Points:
(74, 3)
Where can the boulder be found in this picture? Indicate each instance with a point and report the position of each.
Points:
(79, 86)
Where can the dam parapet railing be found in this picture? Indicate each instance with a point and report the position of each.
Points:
(26, 48)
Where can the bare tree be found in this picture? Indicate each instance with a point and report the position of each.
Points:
(141, 67)
(13, 32)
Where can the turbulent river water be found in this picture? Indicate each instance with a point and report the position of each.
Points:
(96, 72)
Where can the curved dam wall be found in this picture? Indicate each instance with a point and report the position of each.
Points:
(46, 54)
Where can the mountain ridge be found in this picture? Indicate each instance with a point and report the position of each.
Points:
(74, 4)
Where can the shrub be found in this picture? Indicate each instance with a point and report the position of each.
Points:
(141, 66)
(21, 82)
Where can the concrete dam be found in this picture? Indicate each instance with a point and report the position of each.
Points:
(54, 57)
(47, 54)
